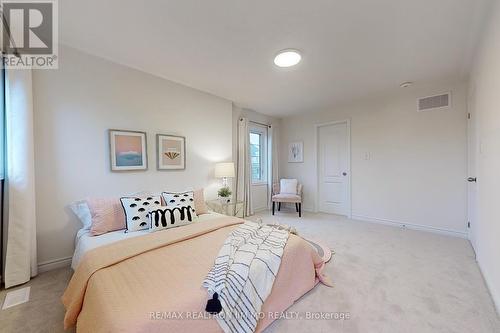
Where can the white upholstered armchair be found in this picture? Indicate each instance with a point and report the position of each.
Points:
(288, 191)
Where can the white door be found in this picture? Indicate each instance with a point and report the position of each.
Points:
(472, 151)
(333, 169)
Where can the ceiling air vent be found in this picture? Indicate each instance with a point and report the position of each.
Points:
(434, 102)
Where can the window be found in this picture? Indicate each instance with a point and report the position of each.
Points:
(255, 155)
(258, 148)
(2, 162)
(2, 123)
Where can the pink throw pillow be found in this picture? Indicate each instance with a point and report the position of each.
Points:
(107, 215)
(199, 202)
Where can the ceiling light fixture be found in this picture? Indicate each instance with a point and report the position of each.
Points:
(287, 58)
(406, 84)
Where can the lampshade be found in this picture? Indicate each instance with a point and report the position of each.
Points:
(224, 170)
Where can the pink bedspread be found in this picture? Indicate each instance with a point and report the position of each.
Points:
(152, 283)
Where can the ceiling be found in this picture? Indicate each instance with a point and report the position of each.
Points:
(351, 49)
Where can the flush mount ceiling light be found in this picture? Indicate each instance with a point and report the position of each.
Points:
(287, 58)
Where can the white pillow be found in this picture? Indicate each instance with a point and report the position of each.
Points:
(82, 211)
(178, 198)
(171, 217)
(288, 186)
(137, 211)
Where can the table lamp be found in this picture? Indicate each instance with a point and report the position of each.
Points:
(224, 170)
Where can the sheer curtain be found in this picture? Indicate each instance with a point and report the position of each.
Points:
(19, 205)
(272, 159)
(243, 181)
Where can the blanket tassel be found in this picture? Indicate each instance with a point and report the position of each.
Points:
(213, 305)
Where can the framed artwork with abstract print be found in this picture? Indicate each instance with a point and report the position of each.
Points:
(171, 152)
(296, 152)
(128, 150)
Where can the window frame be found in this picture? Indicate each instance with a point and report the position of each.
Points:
(262, 132)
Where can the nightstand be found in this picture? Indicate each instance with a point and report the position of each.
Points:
(233, 208)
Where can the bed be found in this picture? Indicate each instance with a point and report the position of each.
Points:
(85, 241)
(151, 282)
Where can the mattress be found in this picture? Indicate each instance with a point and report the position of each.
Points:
(86, 242)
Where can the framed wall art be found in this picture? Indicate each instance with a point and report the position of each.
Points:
(128, 150)
(171, 151)
(296, 152)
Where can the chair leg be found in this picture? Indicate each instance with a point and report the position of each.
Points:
(297, 207)
(273, 207)
(279, 206)
(300, 209)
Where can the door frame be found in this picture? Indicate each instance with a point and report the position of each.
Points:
(316, 147)
(472, 158)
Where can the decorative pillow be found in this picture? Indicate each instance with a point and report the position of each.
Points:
(82, 211)
(171, 217)
(178, 198)
(107, 215)
(199, 202)
(175, 198)
(288, 186)
(137, 211)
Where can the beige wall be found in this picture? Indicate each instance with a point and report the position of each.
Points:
(76, 105)
(416, 174)
(485, 109)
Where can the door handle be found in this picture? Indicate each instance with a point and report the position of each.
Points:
(344, 173)
(472, 179)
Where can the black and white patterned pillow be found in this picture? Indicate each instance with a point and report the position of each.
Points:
(171, 216)
(176, 199)
(137, 210)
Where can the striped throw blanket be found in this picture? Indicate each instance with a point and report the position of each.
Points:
(244, 273)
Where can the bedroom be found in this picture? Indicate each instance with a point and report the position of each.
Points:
(401, 242)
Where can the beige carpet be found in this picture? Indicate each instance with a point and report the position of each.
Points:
(392, 280)
(386, 279)
(44, 312)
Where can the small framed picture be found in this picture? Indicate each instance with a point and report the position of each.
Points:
(171, 151)
(128, 150)
(296, 152)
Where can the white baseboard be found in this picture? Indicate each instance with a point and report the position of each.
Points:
(308, 209)
(412, 226)
(304, 209)
(54, 264)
